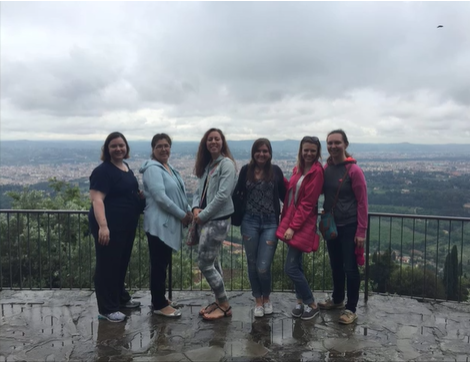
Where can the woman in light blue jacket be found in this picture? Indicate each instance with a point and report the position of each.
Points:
(166, 212)
(212, 209)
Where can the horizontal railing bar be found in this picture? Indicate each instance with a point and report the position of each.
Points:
(372, 214)
(44, 211)
(51, 258)
(416, 216)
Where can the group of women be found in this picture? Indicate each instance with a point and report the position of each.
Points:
(258, 193)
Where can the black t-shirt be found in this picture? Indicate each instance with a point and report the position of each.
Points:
(121, 202)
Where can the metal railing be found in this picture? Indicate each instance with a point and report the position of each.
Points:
(411, 255)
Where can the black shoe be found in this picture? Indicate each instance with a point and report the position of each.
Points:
(310, 313)
(131, 304)
(298, 310)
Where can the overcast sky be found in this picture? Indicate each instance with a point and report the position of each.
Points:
(382, 71)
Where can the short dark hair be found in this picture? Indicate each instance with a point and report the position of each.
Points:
(158, 137)
(105, 156)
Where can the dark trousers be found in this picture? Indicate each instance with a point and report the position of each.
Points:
(344, 266)
(111, 268)
(160, 256)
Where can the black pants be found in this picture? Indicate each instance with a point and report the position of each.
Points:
(111, 268)
(344, 266)
(160, 256)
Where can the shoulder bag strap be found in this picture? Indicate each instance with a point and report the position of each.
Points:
(207, 182)
(339, 187)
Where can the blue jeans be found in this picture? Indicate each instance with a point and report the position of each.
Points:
(344, 266)
(259, 238)
(293, 269)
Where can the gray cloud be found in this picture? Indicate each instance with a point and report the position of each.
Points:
(382, 70)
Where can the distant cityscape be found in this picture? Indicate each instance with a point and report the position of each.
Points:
(392, 170)
(31, 174)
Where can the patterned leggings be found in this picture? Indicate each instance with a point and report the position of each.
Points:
(211, 236)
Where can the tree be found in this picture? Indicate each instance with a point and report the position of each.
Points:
(410, 281)
(42, 249)
(451, 274)
(381, 271)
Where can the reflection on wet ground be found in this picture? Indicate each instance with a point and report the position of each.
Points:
(63, 326)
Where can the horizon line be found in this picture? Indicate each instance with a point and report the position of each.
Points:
(230, 140)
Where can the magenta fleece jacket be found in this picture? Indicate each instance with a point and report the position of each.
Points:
(351, 206)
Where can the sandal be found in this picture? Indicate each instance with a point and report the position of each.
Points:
(227, 313)
(208, 309)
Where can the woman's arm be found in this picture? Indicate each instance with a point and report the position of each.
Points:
(282, 184)
(241, 182)
(97, 202)
(359, 188)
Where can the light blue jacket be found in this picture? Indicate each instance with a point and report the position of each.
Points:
(166, 203)
(219, 190)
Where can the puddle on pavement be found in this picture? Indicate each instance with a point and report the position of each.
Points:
(143, 333)
(344, 356)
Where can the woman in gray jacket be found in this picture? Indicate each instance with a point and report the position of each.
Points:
(166, 212)
(212, 209)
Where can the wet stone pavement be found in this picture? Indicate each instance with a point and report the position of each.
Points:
(63, 326)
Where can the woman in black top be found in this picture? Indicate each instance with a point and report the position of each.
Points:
(113, 218)
(263, 187)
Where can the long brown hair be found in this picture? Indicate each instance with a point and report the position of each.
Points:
(300, 160)
(345, 140)
(267, 168)
(204, 157)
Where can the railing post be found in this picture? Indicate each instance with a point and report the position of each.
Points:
(366, 289)
(170, 278)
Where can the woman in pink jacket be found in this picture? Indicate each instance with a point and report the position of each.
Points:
(298, 227)
(345, 189)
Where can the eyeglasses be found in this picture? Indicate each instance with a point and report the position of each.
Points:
(162, 146)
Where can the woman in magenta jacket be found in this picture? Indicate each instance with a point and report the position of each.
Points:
(346, 251)
(298, 227)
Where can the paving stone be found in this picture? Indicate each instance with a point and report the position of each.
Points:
(455, 347)
(407, 351)
(407, 332)
(245, 348)
(168, 358)
(63, 326)
(348, 344)
(206, 354)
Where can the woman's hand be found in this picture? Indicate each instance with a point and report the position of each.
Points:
(187, 219)
(196, 212)
(289, 234)
(359, 241)
(103, 235)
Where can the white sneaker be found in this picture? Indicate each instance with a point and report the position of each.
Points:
(268, 308)
(113, 317)
(259, 311)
